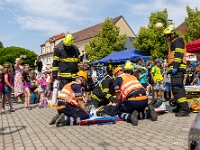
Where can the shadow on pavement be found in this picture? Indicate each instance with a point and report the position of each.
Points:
(6, 133)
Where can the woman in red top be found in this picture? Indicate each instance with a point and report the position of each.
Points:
(7, 88)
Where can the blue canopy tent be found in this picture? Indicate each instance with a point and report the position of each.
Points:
(123, 56)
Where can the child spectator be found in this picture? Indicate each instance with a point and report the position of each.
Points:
(158, 79)
(26, 86)
(100, 72)
(143, 77)
(150, 79)
(191, 75)
(136, 71)
(42, 87)
(33, 86)
(167, 82)
(7, 88)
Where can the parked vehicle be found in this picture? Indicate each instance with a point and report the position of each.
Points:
(194, 135)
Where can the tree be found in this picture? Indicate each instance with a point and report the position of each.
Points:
(1, 44)
(107, 41)
(193, 24)
(150, 39)
(9, 54)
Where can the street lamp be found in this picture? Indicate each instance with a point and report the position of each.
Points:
(159, 25)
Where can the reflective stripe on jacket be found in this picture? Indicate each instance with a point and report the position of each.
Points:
(177, 55)
(68, 94)
(129, 84)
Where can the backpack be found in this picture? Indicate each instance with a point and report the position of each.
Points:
(43, 103)
(33, 98)
(43, 82)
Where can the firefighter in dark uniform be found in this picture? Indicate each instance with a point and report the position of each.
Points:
(177, 68)
(65, 60)
(103, 92)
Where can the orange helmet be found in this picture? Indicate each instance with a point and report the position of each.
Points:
(119, 68)
(83, 74)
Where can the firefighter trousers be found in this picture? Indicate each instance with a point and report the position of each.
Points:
(178, 91)
(129, 106)
(74, 114)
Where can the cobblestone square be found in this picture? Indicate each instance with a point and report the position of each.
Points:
(29, 130)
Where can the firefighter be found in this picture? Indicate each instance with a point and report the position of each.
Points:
(65, 60)
(70, 102)
(103, 92)
(177, 68)
(131, 97)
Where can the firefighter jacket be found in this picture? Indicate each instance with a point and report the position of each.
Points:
(129, 86)
(104, 90)
(65, 62)
(177, 55)
(68, 95)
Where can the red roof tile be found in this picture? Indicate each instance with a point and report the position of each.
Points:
(181, 28)
(90, 32)
(80, 35)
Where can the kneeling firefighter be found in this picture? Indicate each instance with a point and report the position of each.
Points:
(177, 69)
(70, 106)
(131, 97)
(103, 92)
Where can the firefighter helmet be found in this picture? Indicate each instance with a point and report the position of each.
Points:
(119, 68)
(168, 30)
(83, 74)
(68, 40)
(128, 66)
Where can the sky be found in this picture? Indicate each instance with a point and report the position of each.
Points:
(29, 23)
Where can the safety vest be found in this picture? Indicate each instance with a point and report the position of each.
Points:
(68, 94)
(129, 84)
(171, 55)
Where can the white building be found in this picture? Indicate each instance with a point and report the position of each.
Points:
(82, 38)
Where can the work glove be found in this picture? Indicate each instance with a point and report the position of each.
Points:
(174, 71)
(112, 99)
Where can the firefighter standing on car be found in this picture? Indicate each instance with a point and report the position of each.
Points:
(65, 60)
(177, 68)
(131, 97)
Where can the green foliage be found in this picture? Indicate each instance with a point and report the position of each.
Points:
(1, 45)
(193, 24)
(107, 41)
(9, 54)
(150, 39)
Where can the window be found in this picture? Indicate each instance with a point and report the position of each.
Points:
(43, 50)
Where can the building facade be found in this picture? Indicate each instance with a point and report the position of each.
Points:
(82, 38)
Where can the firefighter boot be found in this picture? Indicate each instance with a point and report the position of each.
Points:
(134, 118)
(176, 109)
(153, 101)
(184, 110)
(53, 120)
(158, 103)
(60, 120)
(152, 113)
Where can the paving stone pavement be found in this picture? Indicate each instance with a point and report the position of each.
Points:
(29, 130)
